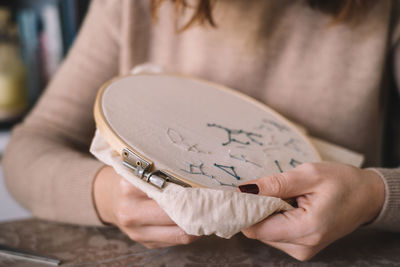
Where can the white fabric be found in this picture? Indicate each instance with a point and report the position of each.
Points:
(198, 211)
(147, 68)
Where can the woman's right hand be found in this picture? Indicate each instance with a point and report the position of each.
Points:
(141, 218)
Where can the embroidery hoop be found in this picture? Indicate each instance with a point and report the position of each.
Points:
(120, 144)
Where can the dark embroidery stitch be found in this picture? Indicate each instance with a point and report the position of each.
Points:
(278, 165)
(200, 171)
(294, 163)
(232, 133)
(228, 169)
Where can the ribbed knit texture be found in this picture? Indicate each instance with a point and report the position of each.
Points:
(389, 218)
(329, 79)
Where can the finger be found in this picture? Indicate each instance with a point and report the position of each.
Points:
(281, 227)
(128, 189)
(149, 213)
(133, 213)
(283, 185)
(172, 235)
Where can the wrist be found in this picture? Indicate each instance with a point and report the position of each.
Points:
(375, 194)
(102, 193)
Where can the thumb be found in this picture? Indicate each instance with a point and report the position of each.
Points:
(283, 185)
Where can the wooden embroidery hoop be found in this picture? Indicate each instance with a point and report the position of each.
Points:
(119, 145)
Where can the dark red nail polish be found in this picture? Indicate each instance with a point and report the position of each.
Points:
(249, 188)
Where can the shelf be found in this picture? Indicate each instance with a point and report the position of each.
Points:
(46, 30)
(25, 3)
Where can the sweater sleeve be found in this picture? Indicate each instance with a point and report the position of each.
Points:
(47, 166)
(389, 217)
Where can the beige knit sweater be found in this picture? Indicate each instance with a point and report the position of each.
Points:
(330, 79)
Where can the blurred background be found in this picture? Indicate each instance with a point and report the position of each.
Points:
(35, 35)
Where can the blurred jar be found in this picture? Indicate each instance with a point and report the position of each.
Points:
(13, 88)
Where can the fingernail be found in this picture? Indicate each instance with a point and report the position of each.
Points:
(249, 188)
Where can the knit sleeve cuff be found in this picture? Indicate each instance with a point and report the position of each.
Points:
(389, 216)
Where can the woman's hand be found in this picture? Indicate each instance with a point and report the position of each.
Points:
(333, 200)
(120, 203)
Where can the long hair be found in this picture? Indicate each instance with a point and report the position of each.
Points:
(341, 10)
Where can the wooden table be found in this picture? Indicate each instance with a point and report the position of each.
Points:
(89, 246)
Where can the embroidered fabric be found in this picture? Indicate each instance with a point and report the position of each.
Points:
(204, 211)
(198, 211)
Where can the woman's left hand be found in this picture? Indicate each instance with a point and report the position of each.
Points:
(333, 200)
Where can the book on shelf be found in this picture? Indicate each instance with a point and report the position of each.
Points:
(29, 42)
(47, 30)
(13, 100)
(52, 40)
(69, 21)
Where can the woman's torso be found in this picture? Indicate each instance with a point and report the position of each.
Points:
(330, 79)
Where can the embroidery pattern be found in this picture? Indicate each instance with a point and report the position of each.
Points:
(198, 169)
(177, 139)
(275, 137)
(228, 169)
(294, 163)
(267, 123)
(243, 158)
(278, 165)
(231, 133)
(294, 144)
